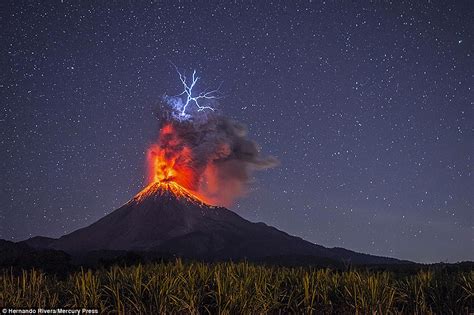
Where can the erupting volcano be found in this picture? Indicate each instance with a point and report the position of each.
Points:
(192, 166)
(199, 159)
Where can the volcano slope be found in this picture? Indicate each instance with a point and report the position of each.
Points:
(165, 218)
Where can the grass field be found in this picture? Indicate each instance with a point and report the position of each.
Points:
(241, 288)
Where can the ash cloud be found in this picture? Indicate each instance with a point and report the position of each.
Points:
(218, 151)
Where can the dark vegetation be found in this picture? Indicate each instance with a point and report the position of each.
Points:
(147, 283)
(243, 288)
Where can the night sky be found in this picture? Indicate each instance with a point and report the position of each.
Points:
(368, 107)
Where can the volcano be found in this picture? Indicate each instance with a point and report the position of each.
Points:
(166, 218)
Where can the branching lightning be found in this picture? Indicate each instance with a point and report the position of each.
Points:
(188, 90)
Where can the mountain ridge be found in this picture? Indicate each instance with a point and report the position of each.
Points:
(166, 218)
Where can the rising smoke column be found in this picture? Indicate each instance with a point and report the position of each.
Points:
(203, 151)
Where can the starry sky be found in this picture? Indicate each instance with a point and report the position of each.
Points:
(368, 107)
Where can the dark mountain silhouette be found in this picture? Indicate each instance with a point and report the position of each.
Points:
(164, 218)
(21, 256)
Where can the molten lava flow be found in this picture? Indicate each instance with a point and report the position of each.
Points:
(170, 167)
(162, 188)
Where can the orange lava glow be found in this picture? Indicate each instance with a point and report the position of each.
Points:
(160, 188)
(169, 166)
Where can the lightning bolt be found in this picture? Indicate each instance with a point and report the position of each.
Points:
(188, 92)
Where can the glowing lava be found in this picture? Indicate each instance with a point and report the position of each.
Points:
(166, 189)
(170, 167)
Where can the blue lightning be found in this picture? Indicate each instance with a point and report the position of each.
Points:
(182, 104)
(188, 90)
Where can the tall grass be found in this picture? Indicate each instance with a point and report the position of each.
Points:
(241, 288)
(30, 289)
